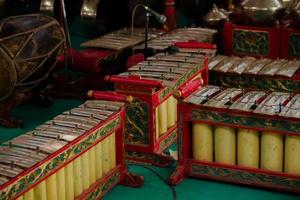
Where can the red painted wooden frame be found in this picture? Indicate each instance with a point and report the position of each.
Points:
(117, 175)
(188, 167)
(146, 92)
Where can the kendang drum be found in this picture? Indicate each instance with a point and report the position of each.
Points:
(29, 45)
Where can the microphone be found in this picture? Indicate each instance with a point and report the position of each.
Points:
(161, 18)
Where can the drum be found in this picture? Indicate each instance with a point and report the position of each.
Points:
(29, 45)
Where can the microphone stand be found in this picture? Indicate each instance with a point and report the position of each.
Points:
(146, 31)
(147, 51)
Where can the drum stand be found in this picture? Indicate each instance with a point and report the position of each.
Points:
(6, 106)
(20, 97)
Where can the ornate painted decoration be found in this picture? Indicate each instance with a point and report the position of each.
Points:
(169, 140)
(104, 187)
(252, 42)
(248, 121)
(137, 123)
(253, 82)
(142, 156)
(294, 45)
(244, 176)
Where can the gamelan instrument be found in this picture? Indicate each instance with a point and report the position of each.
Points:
(248, 72)
(29, 45)
(121, 39)
(242, 136)
(77, 155)
(181, 35)
(151, 118)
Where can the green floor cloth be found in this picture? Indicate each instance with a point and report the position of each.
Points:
(154, 188)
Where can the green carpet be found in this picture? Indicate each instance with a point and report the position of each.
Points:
(153, 188)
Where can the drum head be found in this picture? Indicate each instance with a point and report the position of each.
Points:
(8, 75)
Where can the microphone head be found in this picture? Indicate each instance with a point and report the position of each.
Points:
(162, 19)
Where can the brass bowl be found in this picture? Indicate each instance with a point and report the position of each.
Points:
(261, 12)
(215, 18)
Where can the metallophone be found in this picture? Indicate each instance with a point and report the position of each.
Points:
(114, 48)
(150, 125)
(77, 155)
(248, 72)
(103, 56)
(180, 35)
(122, 39)
(241, 136)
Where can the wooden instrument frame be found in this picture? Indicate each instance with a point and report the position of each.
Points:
(188, 167)
(144, 93)
(34, 175)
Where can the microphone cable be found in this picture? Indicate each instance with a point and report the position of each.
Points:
(160, 177)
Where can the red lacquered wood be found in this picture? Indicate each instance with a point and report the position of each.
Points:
(134, 80)
(188, 88)
(109, 96)
(195, 44)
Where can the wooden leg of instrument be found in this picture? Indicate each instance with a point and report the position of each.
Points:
(61, 184)
(162, 118)
(292, 152)
(78, 180)
(113, 150)
(156, 124)
(86, 171)
(69, 181)
(92, 156)
(105, 154)
(29, 195)
(40, 191)
(271, 151)
(248, 148)
(202, 142)
(51, 186)
(99, 163)
(225, 145)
